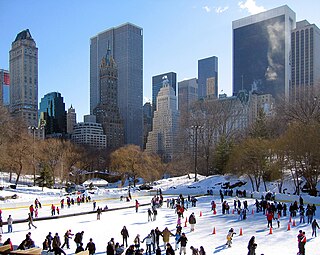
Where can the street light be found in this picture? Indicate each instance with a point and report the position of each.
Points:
(195, 146)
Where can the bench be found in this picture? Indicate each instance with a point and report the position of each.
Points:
(86, 252)
(33, 251)
(5, 248)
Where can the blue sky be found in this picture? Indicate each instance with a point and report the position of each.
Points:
(177, 33)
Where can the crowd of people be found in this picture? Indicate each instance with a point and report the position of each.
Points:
(273, 210)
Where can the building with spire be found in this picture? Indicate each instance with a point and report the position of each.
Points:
(71, 119)
(24, 78)
(126, 44)
(163, 137)
(107, 111)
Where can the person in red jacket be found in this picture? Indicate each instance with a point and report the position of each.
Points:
(269, 218)
(302, 243)
(137, 205)
(9, 242)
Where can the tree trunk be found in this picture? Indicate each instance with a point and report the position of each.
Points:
(252, 183)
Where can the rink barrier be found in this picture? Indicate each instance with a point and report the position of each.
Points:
(74, 214)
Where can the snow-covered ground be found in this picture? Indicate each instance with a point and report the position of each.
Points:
(281, 241)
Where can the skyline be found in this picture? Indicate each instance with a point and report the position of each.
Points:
(175, 36)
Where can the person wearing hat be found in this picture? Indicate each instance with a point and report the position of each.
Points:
(230, 235)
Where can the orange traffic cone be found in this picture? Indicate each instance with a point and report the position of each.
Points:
(200, 213)
(293, 223)
(214, 231)
(240, 234)
(288, 226)
(270, 232)
(185, 223)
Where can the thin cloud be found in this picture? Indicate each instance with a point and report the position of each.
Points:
(221, 9)
(207, 8)
(251, 6)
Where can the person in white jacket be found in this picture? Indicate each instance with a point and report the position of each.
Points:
(148, 240)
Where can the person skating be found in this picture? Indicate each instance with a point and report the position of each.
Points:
(157, 234)
(302, 244)
(130, 250)
(183, 243)
(68, 235)
(169, 249)
(148, 240)
(150, 213)
(78, 238)
(111, 247)
(202, 251)
(192, 221)
(125, 234)
(252, 246)
(176, 238)
(56, 243)
(136, 242)
(137, 205)
(314, 226)
(119, 249)
(99, 212)
(30, 221)
(91, 247)
(194, 250)
(166, 236)
(10, 223)
(49, 238)
(230, 235)
(155, 213)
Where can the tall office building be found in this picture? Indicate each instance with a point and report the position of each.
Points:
(157, 83)
(71, 119)
(4, 87)
(52, 114)
(162, 140)
(305, 58)
(24, 78)
(261, 52)
(107, 111)
(187, 95)
(207, 72)
(147, 122)
(126, 44)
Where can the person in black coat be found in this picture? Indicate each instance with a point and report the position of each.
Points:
(91, 247)
(169, 250)
(252, 246)
(125, 235)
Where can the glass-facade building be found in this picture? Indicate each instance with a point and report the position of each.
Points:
(207, 70)
(52, 114)
(126, 44)
(261, 52)
(305, 63)
(157, 83)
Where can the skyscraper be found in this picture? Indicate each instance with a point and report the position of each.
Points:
(261, 52)
(107, 111)
(52, 114)
(126, 44)
(187, 94)
(163, 137)
(207, 71)
(71, 119)
(305, 58)
(147, 122)
(4, 87)
(24, 78)
(157, 85)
